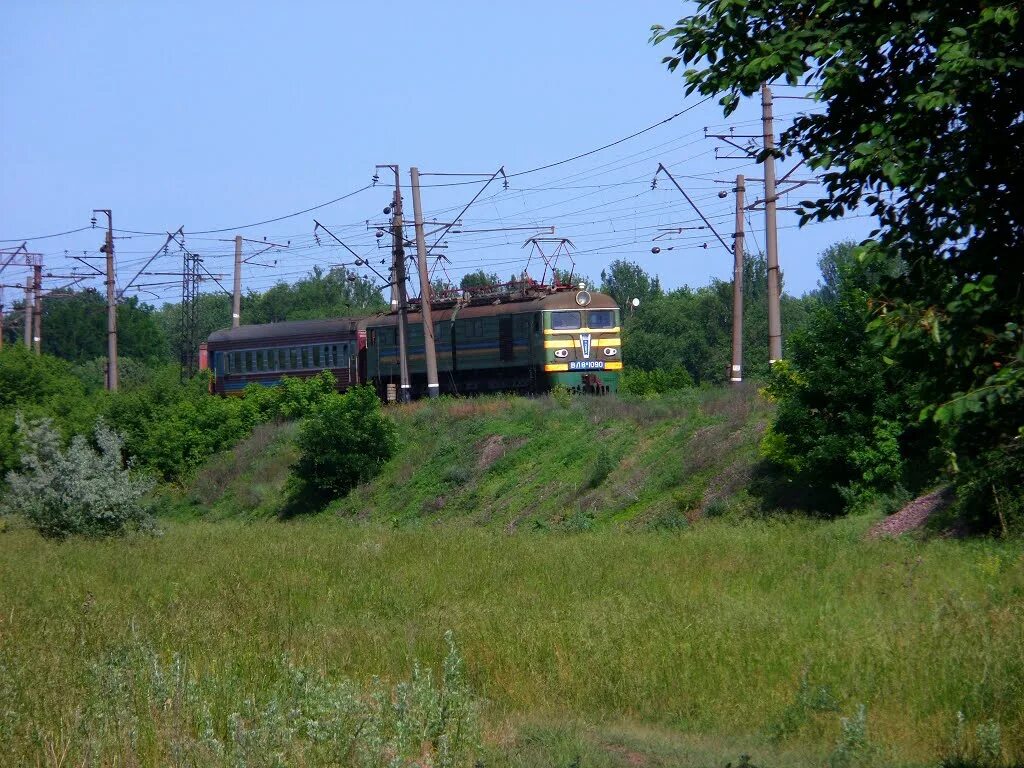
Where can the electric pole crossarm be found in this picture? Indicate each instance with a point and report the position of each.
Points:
(150, 259)
(500, 171)
(661, 167)
(360, 260)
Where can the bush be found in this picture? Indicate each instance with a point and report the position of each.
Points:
(293, 398)
(173, 427)
(641, 383)
(77, 491)
(344, 442)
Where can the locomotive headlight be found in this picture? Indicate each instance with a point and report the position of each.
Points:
(611, 351)
(561, 353)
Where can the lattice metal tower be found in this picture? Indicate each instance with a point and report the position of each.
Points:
(189, 313)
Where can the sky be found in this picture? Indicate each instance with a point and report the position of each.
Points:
(217, 116)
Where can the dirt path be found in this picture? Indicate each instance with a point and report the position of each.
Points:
(913, 515)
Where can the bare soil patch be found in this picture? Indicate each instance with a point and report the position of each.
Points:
(913, 515)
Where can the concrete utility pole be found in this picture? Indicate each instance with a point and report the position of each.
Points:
(771, 230)
(398, 282)
(28, 312)
(108, 249)
(398, 263)
(433, 387)
(236, 301)
(736, 376)
(37, 312)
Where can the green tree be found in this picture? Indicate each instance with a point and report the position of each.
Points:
(627, 280)
(343, 442)
(479, 279)
(74, 327)
(846, 422)
(40, 387)
(920, 122)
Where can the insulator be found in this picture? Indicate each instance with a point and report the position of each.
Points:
(655, 249)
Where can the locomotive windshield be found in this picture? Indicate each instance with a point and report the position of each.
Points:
(601, 318)
(565, 321)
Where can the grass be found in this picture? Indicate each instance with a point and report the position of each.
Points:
(515, 463)
(602, 648)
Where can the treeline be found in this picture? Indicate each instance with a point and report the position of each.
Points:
(74, 323)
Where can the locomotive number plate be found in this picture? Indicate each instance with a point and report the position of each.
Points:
(586, 365)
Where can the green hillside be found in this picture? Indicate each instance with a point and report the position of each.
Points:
(515, 463)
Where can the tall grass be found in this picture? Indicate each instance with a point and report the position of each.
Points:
(756, 633)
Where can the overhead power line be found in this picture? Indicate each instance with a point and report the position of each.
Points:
(589, 152)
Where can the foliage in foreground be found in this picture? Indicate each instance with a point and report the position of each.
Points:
(75, 491)
(910, 91)
(344, 441)
(846, 423)
(163, 711)
(758, 636)
(169, 427)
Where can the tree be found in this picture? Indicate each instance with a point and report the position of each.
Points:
(479, 279)
(922, 124)
(627, 280)
(344, 442)
(846, 422)
(75, 327)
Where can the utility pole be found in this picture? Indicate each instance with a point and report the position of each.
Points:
(771, 230)
(736, 376)
(433, 387)
(37, 313)
(236, 301)
(28, 312)
(108, 249)
(398, 281)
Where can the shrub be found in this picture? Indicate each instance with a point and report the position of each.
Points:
(173, 427)
(77, 491)
(640, 383)
(344, 442)
(561, 395)
(293, 398)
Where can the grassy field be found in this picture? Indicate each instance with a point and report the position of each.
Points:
(229, 643)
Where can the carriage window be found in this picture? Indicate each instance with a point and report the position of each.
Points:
(601, 318)
(318, 356)
(262, 359)
(334, 355)
(293, 358)
(236, 362)
(565, 321)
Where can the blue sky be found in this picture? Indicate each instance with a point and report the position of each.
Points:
(216, 115)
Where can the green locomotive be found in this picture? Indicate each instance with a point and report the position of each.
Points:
(505, 343)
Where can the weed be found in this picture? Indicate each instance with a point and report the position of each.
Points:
(853, 748)
(578, 521)
(810, 699)
(603, 465)
(561, 395)
(990, 742)
(456, 475)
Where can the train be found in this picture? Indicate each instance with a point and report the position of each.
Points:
(507, 339)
